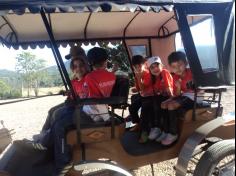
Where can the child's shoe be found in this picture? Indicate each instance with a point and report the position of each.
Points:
(154, 133)
(170, 139)
(161, 137)
(144, 138)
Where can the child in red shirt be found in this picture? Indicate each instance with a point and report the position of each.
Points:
(183, 92)
(161, 86)
(99, 83)
(141, 89)
(79, 71)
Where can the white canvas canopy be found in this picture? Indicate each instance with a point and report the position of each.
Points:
(76, 22)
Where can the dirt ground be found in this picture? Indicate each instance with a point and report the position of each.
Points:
(27, 118)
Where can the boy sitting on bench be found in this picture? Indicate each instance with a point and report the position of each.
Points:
(183, 92)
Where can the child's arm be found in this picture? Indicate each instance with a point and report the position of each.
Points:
(177, 87)
(168, 82)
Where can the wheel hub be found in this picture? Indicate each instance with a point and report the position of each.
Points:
(228, 171)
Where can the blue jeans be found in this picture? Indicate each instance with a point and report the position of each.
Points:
(56, 136)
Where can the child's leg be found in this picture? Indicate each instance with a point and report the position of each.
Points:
(145, 119)
(172, 126)
(164, 104)
(136, 103)
(50, 117)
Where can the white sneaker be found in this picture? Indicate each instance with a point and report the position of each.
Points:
(154, 133)
(170, 139)
(161, 137)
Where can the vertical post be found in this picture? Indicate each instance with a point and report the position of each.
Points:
(60, 71)
(55, 50)
(129, 58)
(219, 101)
(76, 116)
(150, 46)
(195, 105)
(112, 123)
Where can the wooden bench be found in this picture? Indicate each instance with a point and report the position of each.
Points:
(94, 135)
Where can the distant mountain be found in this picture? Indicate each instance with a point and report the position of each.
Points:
(7, 73)
(53, 69)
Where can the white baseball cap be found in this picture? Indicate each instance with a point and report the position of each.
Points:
(152, 60)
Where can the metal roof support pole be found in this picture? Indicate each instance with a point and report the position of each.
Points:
(55, 56)
(56, 51)
(150, 46)
(125, 44)
(60, 71)
(10, 26)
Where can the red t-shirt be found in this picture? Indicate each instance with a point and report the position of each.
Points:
(78, 86)
(147, 84)
(163, 82)
(99, 83)
(184, 80)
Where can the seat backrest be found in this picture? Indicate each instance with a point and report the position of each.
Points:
(121, 88)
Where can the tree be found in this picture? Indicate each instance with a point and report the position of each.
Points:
(31, 70)
(4, 88)
(118, 55)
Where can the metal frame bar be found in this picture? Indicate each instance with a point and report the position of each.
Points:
(60, 71)
(56, 58)
(56, 51)
(192, 142)
(194, 105)
(129, 23)
(150, 47)
(10, 26)
(101, 165)
(86, 25)
(2, 25)
(125, 44)
(47, 43)
(188, 42)
(159, 31)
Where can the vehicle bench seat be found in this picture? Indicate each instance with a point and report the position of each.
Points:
(97, 132)
(201, 113)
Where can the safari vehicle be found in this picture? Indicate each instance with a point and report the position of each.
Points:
(144, 27)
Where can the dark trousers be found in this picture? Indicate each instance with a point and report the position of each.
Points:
(136, 104)
(152, 114)
(52, 114)
(56, 137)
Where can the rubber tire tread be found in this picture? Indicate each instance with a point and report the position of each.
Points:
(213, 156)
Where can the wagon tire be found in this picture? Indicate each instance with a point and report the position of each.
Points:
(213, 155)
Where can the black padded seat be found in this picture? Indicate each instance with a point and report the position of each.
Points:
(204, 104)
(131, 145)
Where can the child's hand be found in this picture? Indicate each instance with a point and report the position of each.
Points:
(178, 83)
(134, 90)
(115, 67)
(169, 92)
(178, 87)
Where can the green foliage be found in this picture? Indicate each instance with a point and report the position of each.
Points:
(4, 89)
(31, 70)
(118, 55)
(15, 93)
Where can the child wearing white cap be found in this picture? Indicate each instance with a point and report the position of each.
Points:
(162, 86)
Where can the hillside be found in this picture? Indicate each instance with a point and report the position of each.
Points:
(52, 77)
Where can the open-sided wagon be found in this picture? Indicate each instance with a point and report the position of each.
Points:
(151, 28)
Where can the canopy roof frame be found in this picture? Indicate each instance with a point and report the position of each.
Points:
(73, 6)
